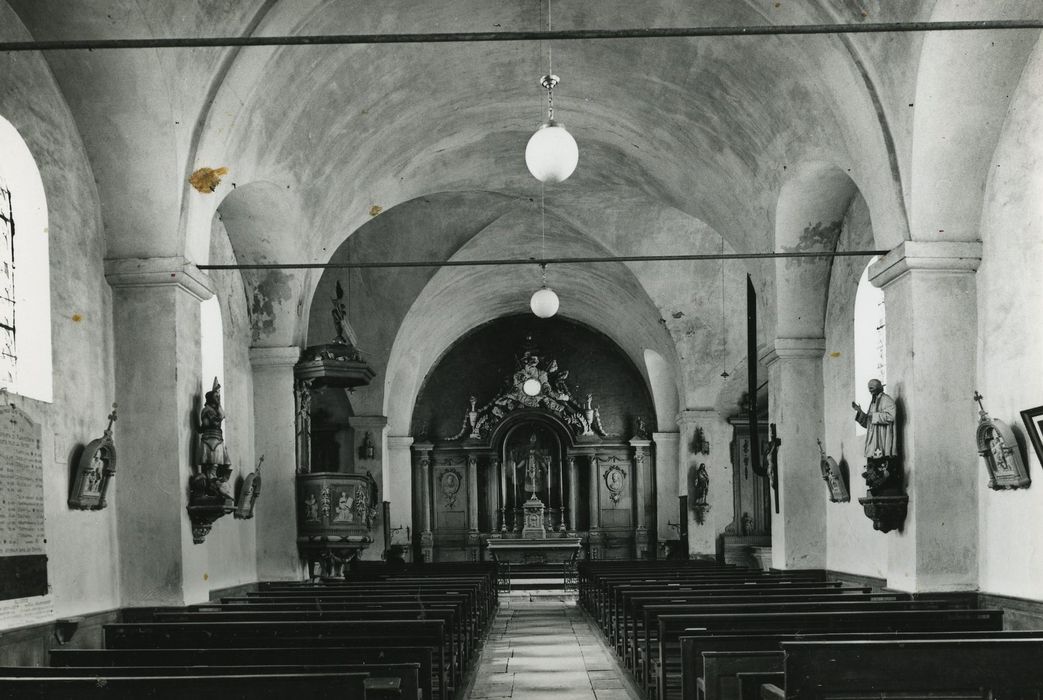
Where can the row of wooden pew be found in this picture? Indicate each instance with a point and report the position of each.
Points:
(700, 631)
(372, 635)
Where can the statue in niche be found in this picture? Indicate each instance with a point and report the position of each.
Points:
(215, 468)
(533, 464)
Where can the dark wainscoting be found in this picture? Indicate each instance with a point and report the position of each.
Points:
(233, 591)
(29, 645)
(1018, 613)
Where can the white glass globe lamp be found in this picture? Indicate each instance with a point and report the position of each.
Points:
(551, 154)
(531, 387)
(544, 302)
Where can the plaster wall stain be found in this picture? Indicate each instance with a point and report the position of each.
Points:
(274, 288)
(815, 238)
(206, 180)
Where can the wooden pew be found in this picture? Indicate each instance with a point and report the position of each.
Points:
(459, 640)
(645, 611)
(314, 686)
(649, 645)
(696, 648)
(874, 669)
(400, 679)
(420, 657)
(619, 603)
(870, 617)
(382, 633)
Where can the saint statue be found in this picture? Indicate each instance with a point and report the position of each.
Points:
(345, 333)
(881, 473)
(533, 463)
(214, 466)
(878, 420)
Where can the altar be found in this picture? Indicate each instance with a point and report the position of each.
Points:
(533, 550)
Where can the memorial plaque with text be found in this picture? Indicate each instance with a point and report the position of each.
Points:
(23, 560)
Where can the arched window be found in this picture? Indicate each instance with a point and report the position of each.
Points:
(25, 290)
(870, 339)
(211, 343)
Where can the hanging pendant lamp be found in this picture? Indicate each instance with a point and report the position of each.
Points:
(551, 154)
(544, 302)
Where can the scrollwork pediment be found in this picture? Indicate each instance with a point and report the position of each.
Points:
(555, 396)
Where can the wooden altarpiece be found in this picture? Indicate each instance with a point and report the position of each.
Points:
(520, 448)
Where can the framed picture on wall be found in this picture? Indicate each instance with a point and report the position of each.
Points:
(1033, 419)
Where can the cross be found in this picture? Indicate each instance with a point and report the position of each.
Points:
(112, 418)
(978, 397)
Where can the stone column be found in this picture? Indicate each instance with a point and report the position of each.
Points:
(472, 506)
(715, 454)
(798, 533)
(931, 299)
(374, 425)
(573, 513)
(641, 450)
(155, 309)
(595, 538)
(666, 469)
(398, 480)
(502, 474)
(427, 539)
(492, 490)
(275, 438)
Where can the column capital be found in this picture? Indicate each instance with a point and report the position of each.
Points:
(423, 446)
(400, 442)
(159, 272)
(793, 348)
(274, 356)
(697, 416)
(637, 443)
(673, 437)
(936, 256)
(367, 422)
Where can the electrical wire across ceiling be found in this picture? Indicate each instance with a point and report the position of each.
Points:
(508, 36)
(542, 261)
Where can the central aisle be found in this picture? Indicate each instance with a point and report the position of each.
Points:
(547, 648)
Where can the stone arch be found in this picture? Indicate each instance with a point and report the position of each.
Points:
(663, 383)
(258, 218)
(809, 218)
(964, 86)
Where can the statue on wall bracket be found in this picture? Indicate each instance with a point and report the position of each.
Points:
(209, 496)
(887, 503)
(997, 444)
(699, 491)
(96, 466)
(532, 384)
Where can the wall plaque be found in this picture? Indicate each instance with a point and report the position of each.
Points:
(23, 557)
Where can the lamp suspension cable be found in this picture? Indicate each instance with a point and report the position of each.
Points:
(724, 322)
